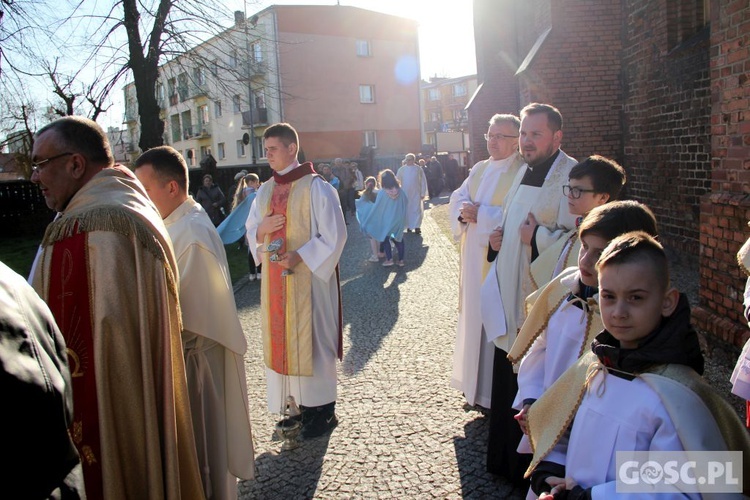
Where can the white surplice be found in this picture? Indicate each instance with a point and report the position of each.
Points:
(414, 184)
(473, 355)
(321, 254)
(508, 282)
(214, 346)
(619, 415)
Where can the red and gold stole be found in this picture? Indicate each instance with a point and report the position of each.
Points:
(286, 301)
(69, 301)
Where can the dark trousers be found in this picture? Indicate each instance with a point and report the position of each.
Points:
(386, 246)
(505, 433)
(254, 269)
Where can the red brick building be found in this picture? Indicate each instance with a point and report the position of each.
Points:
(662, 87)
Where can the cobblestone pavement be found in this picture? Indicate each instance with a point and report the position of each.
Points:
(403, 431)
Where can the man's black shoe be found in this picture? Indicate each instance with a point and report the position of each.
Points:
(319, 420)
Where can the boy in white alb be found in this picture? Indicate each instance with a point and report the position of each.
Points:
(561, 323)
(638, 389)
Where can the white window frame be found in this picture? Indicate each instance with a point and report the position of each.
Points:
(237, 103)
(433, 94)
(222, 150)
(370, 138)
(217, 109)
(459, 89)
(367, 94)
(241, 151)
(363, 48)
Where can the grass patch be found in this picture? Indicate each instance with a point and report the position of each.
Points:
(17, 252)
(237, 260)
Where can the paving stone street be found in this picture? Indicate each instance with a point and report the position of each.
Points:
(403, 431)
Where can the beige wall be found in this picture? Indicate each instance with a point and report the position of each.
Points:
(318, 60)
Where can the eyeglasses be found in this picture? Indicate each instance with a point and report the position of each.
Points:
(37, 166)
(575, 192)
(489, 137)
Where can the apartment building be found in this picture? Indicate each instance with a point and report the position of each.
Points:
(346, 78)
(445, 125)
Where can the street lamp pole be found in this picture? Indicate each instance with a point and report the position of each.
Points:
(249, 87)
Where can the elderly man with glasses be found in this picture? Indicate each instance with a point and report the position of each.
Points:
(476, 209)
(107, 271)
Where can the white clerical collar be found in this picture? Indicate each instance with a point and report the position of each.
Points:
(505, 163)
(291, 167)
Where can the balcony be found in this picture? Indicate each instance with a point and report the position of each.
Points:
(198, 90)
(433, 127)
(253, 69)
(131, 114)
(259, 117)
(203, 131)
(173, 99)
(187, 133)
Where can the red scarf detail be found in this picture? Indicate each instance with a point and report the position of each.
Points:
(296, 173)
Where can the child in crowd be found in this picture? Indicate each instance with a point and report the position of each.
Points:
(232, 229)
(637, 389)
(591, 183)
(387, 218)
(364, 204)
(561, 323)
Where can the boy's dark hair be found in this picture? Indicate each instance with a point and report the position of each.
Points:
(619, 217)
(639, 247)
(606, 175)
(168, 165)
(284, 132)
(388, 179)
(554, 117)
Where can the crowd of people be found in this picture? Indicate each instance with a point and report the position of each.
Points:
(570, 335)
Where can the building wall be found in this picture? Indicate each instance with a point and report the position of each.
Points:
(577, 69)
(321, 74)
(725, 210)
(667, 117)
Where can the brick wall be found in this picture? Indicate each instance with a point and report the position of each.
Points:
(667, 103)
(725, 211)
(577, 69)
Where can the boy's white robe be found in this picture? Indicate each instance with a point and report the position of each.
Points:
(321, 254)
(473, 355)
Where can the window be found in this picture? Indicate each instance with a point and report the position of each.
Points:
(172, 88)
(160, 94)
(367, 94)
(459, 90)
(459, 115)
(370, 138)
(215, 67)
(237, 103)
(205, 151)
(259, 152)
(260, 98)
(222, 151)
(190, 157)
(174, 122)
(182, 86)
(241, 149)
(203, 114)
(434, 95)
(363, 48)
(435, 116)
(200, 76)
(233, 59)
(217, 109)
(257, 51)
